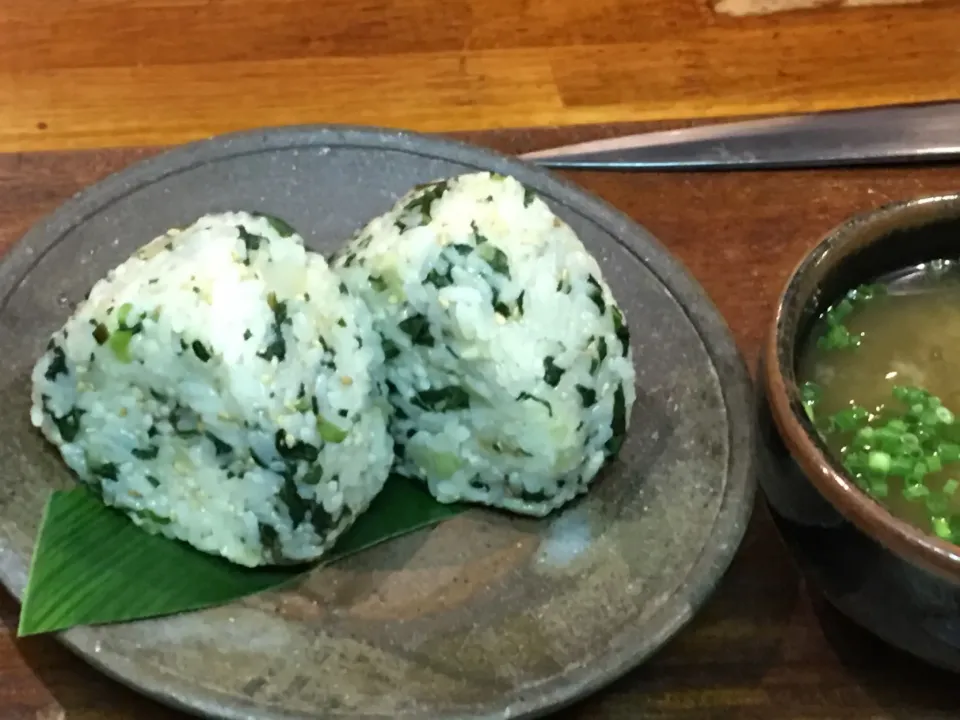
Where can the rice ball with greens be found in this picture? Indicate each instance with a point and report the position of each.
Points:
(508, 362)
(217, 387)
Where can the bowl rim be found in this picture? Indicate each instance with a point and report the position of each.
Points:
(828, 478)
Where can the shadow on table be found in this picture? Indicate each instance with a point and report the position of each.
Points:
(79, 689)
(903, 686)
(766, 648)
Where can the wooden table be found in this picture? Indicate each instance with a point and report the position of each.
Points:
(106, 73)
(94, 73)
(762, 648)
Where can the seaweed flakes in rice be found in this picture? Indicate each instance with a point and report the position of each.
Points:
(200, 389)
(508, 361)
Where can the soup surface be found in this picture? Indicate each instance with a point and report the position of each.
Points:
(881, 381)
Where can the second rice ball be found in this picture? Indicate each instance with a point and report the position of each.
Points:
(508, 361)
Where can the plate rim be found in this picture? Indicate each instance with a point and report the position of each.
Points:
(736, 504)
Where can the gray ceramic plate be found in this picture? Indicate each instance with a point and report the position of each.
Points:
(484, 616)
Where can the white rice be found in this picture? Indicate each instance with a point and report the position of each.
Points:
(508, 362)
(217, 388)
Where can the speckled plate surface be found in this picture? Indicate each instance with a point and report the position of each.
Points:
(485, 616)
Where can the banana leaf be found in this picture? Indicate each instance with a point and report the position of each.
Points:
(91, 565)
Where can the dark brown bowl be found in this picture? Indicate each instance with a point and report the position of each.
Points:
(893, 579)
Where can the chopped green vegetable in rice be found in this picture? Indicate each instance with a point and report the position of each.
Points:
(507, 360)
(220, 389)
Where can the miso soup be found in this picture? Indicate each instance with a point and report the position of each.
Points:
(880, 377)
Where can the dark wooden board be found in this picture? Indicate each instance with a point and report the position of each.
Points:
(763, 648)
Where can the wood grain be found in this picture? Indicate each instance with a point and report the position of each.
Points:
(764, 648)
(94, 73)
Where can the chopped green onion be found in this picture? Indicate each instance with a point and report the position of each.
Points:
(909, 441)
(901, 467)
(949, 453)
(879, 487)
(809, 393)
(930, 418)
(891, 442)
(879, 462)
(918, 473)
(866, 433)
(896, 425)
(866, 292)
(941, 526)
(841, 310)
(912, 443)
(837, 336)
(851, 418)
(861, 482)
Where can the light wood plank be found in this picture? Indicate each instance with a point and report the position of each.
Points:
(88, 73)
